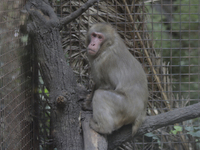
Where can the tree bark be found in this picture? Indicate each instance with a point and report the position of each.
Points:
(78, 12)
(154, 122)
(57, 75)
(92, 140)
(65, 92)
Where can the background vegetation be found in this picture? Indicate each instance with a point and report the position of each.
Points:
(175, 31)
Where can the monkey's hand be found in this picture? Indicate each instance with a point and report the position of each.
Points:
(87, 105)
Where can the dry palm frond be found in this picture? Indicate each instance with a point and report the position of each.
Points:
(129, 19)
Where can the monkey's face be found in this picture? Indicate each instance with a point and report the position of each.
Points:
(96, 39)
(99, 38)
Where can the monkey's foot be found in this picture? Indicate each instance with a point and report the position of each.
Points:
(95, 126)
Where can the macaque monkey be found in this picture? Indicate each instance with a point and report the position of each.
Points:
(120, 91)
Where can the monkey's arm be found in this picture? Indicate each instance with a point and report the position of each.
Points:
(87, 104)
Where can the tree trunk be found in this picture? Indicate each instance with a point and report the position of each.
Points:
(57, 75)
(65, 93)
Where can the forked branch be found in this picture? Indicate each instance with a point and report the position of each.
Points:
(78, 12)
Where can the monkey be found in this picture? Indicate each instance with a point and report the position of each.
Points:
(120, 84)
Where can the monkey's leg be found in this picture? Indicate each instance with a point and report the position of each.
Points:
(107, 106)
(138, 121)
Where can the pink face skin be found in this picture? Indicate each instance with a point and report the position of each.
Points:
(95, 43)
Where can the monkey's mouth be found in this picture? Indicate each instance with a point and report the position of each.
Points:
(91, 51)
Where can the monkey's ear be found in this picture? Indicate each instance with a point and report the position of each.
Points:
(108, 42)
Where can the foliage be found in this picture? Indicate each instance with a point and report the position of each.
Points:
(153, 136)
(193, 131)
(176, 130)
(174, 31)
(176, 39)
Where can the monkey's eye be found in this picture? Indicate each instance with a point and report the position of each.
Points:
(100, 37)
(94, 35)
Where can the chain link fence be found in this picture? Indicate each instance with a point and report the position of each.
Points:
(16, 125)
(163, 35)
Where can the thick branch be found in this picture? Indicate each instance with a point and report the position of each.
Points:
(59, 79)
(154, 122)
(77, 13)
(57, 75)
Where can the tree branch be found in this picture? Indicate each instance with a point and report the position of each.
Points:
(77, 13)
(60, 81)
(58, 77)
(154, 122)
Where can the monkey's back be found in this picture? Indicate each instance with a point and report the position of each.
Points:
(121, 91)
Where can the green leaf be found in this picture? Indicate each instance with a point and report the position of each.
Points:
(153, 136)
(190, 128)
(197, 128)
(46, 91)
(149, 134)
(24, 38)
(195, 134)
(173, 132)
(178, 128)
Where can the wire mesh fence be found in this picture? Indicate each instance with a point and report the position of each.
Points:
(163, 35)
(16, 127)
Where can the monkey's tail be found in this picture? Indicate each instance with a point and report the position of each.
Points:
(138, 121)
